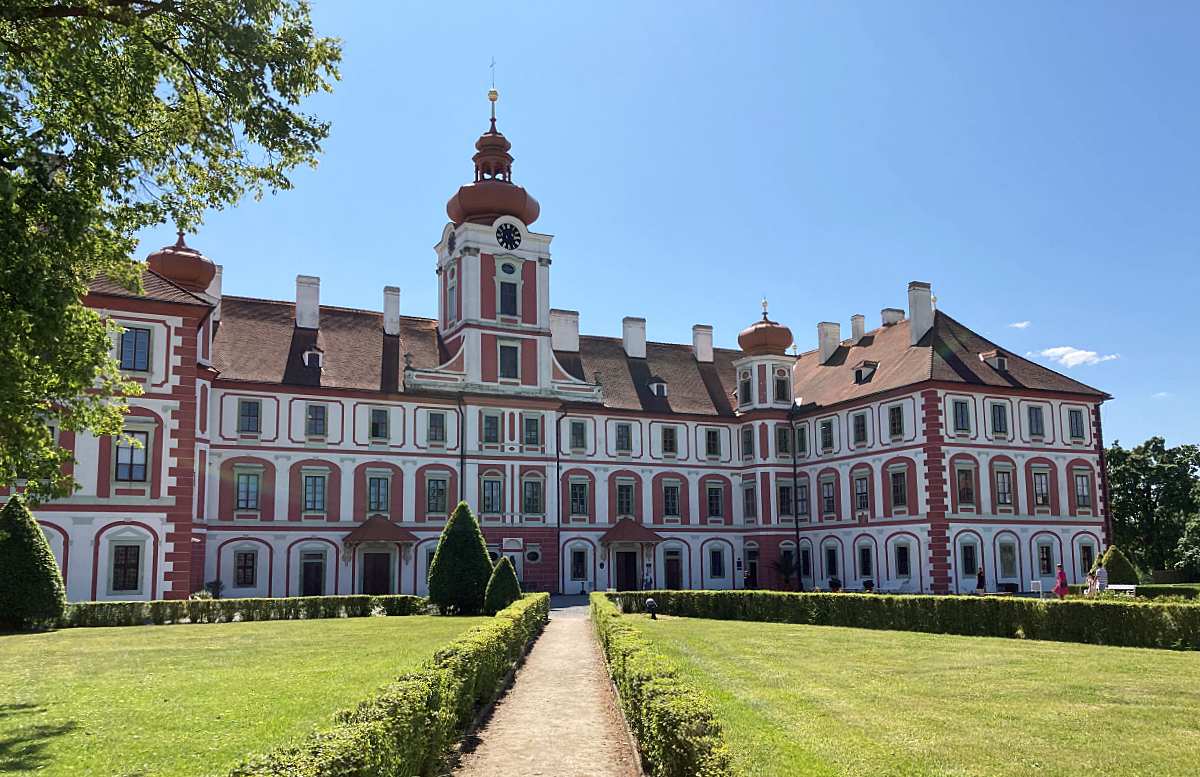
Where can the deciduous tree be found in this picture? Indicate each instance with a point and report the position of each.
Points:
(1151, 496)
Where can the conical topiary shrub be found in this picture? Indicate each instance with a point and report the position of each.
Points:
(459, 574)
(503, 588)
(1120, 569)
(31, 587)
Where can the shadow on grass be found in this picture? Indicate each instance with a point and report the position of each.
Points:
(23, 749)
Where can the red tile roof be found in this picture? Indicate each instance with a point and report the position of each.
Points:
(154, 286)
(629, 530)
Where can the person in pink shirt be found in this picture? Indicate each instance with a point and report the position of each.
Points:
(1060, 583)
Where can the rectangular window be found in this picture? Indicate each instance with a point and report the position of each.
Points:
(749, 503)
(532, 433)
(1008, 560)
(1041, 488)
(802, 499)
(452, 301)
(747, 442)
(966, 487)
(862, 498)
(377, 494)
(1087, 557)
(578, 436)
(1083, 491)
(436, 491)
(716, 562)
(903, 562)
(899, 489)
(131, 459)
(1045, 560)
(1004, 495)
(827, 436)
(493, 495)
(671, 499)
(786, 500)
(805, 561)
(437, 428)
(716, 502)
(712, 443)
(624, 499)
(315, 420)
(962, 416)
(491, 429)
(126, 568)
(745, 396)
(831, 562)
(801, 440)
(866, 562)
(970, 562)
(670, 441)
(783, 391)
(896, 421)
(1037, 421)
(379, 423)
(624, 438)
(579, 497)
(510, 362)
(249, 416)
(999, 420)
(783, 441)
(245, 569)
(579, 565)
(314, 493)
(828, 498)
(860, 429)
(532, 497)
(508, 298)
(135, 349)
(247, 490)
(1075, 417)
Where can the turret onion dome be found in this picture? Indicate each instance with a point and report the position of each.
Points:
(493, 194)
(183, 265)
(765, 337)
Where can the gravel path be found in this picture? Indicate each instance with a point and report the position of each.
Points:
(560, 716)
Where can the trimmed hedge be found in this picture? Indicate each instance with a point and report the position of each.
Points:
(461, 566)
(408, 725)
(31, 588)
(1182, 590)
(163, 611)
(674, 724)
(503, 588)
(1127, 623)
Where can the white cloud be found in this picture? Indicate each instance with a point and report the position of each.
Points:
(1020, 325)
(1161, 395)
(1069, 356)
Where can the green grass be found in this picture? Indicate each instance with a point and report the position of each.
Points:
(816, 700)
(192, 700)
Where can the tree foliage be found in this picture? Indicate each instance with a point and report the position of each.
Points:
(461, 568)
(31, 586)
(1121, 571)
(116, 115)
(503, 588)
(1152, 497)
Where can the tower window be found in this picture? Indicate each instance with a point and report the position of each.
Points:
(510, 362)
(508, 290)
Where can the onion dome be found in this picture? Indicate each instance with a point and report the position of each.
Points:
(183, 265)
(766, 337)
(493, 194)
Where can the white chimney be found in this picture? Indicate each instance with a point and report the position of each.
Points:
(891, 316)
(633, 332)
(308, 302)
(920, 310)
(702, 335)
(564, 330)
(213, 292)
(391, 310)
(828, 337)
(858, 327)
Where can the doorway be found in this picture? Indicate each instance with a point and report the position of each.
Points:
(377, 574)
(312, 574)
(627, 570)
(752, 567)
(674, 569)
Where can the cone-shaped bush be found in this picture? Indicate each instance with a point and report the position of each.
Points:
(1120, 569)
(459, 574)
(31, 587)
(503, 588)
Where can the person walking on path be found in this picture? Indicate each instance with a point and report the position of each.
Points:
(1060, 583)
(1101, 577)
(980, 582)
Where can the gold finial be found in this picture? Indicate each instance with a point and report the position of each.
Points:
(493, 95)
(764, 307)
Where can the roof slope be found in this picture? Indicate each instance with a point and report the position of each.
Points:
(154, 286)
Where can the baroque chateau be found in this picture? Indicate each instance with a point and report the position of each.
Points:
(293, 448)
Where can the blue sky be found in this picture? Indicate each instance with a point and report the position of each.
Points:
(1037, 163)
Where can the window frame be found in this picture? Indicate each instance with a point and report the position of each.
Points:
(827, 438)
(747, 435)
(577, 445)
(243, 404)
(961, 469)
(438, 440)
(239, 555)
(1041, 476)
(531, 422)
(136, 331)
(373, 431)
(716, 563)
(379, 500)
(514, 347)
(308, 496)
(711, 450)
(1074, 413)
(582, 500)
(898, 475)
(441, 492)
(672, 507)
(671, 432)
(491, 494)
(491, 421)
(1037, 431)
(862, 496)
(711, 488)
(146, 437)
(906, 573)
(749, 503)
(625, 486)
(139, 572)
(539, 509)
(828, 487)
(312, 419)
(858, 423)
(241, 505)
(623, 447)
(961, 422)
(896, 430)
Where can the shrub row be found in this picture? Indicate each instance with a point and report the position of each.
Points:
(674, 724)
(1154, 591)
(407, 726)
(1129, 623)
(163, 611)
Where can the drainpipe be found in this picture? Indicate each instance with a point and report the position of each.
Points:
(558, 417)
(796, 494)
(462, 450)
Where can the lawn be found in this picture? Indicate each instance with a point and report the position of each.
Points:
(817, 700)
(192, 699)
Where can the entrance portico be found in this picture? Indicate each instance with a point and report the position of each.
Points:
(629, 551)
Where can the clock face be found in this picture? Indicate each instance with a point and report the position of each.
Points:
(508, 236)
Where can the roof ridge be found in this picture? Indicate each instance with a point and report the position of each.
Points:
(343, 308)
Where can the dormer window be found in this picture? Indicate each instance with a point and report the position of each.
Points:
(864, 371)
(997, 359)
(744, 388)
(783, 387)
(658, 386)
(314, 357)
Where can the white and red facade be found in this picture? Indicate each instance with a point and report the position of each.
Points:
(294, 448)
